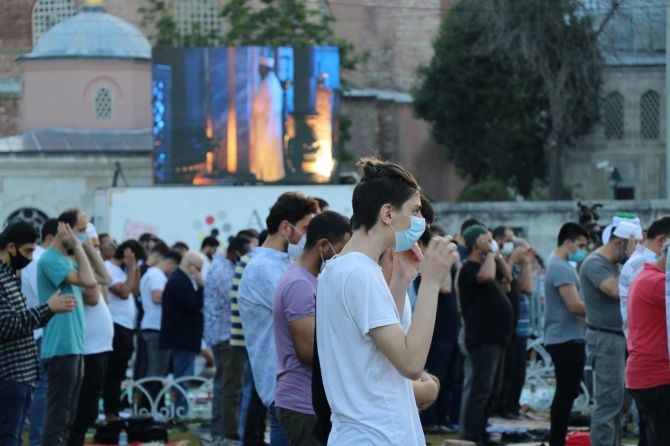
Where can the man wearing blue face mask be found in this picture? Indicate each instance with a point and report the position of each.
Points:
(63, 341)
(286, 224)
(564, 326)
(294, 326)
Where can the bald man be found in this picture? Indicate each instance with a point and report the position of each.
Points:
(182, 321)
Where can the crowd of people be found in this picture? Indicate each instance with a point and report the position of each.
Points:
(372, 330)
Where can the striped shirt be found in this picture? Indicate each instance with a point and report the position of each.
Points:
(236, 332)
(18, 352)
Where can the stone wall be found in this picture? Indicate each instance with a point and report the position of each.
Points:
(52, 184)
(539, 222)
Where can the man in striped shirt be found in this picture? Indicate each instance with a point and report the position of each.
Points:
(18, 354)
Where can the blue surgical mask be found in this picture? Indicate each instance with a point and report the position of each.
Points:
(81, 236)
(577, 256)
(405, 239)
(295, 249)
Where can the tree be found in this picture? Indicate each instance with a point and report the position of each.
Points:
(275, 23)
(511, 85)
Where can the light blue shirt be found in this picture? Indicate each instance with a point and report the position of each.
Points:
(256, 300)
(64, 334)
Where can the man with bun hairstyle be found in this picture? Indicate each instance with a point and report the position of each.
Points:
(367, 359)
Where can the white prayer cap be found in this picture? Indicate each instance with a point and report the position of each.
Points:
(627, 228)
(266, 61)
(90, 230)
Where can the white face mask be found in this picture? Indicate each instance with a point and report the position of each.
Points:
(507, 248)
(295, 249)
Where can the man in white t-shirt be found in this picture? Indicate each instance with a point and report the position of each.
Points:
(98, 335)
(122, 290)
(366, 357)
(152, 285)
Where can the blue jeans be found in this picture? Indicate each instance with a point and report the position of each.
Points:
(14, 403)
(277, 436)
(183, 364)
(38, 406)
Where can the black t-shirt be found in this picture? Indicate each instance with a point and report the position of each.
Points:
(447, 318)
(486, 310)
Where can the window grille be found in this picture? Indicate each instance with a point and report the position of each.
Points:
(102, 104)
(613, 116)
(47, 13)
(650, 115)
(197, 16)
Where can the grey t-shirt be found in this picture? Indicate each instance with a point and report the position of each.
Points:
(602, 311)
(559, 324)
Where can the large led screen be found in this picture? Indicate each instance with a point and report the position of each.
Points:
(245, 115)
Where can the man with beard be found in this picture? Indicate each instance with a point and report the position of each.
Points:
(605, 341)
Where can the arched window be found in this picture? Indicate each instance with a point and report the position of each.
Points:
(47, 13)
(102, 104)
(199, 17)
(613, 115)
(33, 216)
(650, 114)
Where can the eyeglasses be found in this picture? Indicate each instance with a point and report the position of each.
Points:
(197, 267)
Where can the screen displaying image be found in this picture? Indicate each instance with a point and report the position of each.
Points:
(245, 115)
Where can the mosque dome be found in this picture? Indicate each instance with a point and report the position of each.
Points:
(92, 34)
(634, 34)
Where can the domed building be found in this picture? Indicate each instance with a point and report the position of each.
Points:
(85, 115)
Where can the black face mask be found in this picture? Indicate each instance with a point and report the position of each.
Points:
(19, 261)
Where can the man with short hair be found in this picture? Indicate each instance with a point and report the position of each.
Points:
(218, 285)
(29, 288)
(125, 273)
(18, 354)
(564, 326)
(646, 252)
(152, 285)
(209, 246)
(605, 341)
(294, 326)
(487, 315)
(286, 224)
(63, 341)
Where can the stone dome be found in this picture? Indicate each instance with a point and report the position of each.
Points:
(92, 34)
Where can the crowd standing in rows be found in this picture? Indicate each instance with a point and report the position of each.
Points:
(370, 331)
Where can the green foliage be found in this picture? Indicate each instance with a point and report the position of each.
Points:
(491, 107)
(486, 190)
(276, 23)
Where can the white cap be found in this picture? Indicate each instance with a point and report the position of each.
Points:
(627, 228)
(266, 61)
(90, 231)
(616, 222)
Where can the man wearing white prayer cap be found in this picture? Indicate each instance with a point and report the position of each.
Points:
(605, 341)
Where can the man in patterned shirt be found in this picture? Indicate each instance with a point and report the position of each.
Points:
(18, 354)
(218, 285)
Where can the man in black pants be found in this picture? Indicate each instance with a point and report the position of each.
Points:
(564, 325)
(487, 315)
